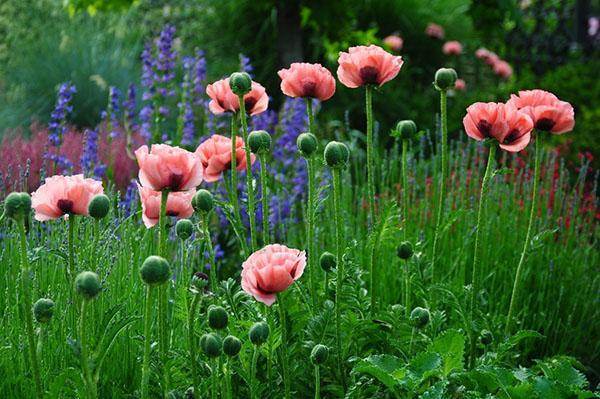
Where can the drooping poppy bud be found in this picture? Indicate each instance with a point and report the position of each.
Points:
(211, 344)
(184, 228)
(405, 130)
(405, 250)
(419, 317)
(319, 354)
(217, 317)
(259, 333)
(99, 206)
(259, 142)
(231, 345)
(336, 155)
(17, 205)
(87, 284)
(307, 144)
(43, 310)
(445, 79)
(203, 201)
(155, 270)
(240, 83)
(486, 337)
(327, 261)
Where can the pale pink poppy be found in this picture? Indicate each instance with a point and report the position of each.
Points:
(272, 270)
(460, 85)
(503, 122)
(394, 42)
(363, 65)
(64, 195)
(179, 204)
(482, 53)
(452, 48)
(307, 80)
(215, 155)
(434, 30)
(502, 69)
(546, 110)
(222, 99)
(168, 168)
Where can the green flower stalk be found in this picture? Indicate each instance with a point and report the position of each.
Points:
(336, 156)
(477, 252)
(163, 293)
(98, 209)
(370, 155)
(233, 191)
(444, 81)
(196, 299)
(18, 206)
(70, 243)
(259, 142)
(532, 209)
(318, 356)
(284, 347)
(259, 334)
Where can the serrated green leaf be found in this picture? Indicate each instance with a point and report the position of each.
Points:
(513, 340)
(381, 367)
(561, 370)
(451, 347)
(425, 364)
(547, 389)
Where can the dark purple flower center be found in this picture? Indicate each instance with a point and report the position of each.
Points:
(172, 213)
(512, 136)
(175, 181)
(545, 124)
(369, 75)
(65, 205)
(484, 127)
(309, 89)
(249, 103)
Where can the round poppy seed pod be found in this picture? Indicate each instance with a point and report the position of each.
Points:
(184, 228)
(406, 130)
(87, 284)
(319, 354)
(200, 281)
(327, 261)
(486, 337)
(336, 154)
(231, 345)
(211, 344)
(217, 317)
(259, 142)
(405, 250)
(307, 144)
(419, 317)
(17, 205)
(259, 333)
(43, 310)
(445, 78)
(203, 201)
(155, 270)
(240, 83)
(99, 206)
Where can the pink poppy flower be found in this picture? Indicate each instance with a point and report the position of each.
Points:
(482, 53)
(271, 270)
(307, 80)
(222, 99)
(394, 42)
(460, 85)
(179, 204)
(434, 30)
(363, 65)
(215, 155)
(502, 69)
(168, 168)
(64, 195)
(546, 110)
(503, 122)
(452, 48)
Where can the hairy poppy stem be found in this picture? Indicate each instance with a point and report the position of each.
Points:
(249, 183)
(211, 254)
(253, 373)
(534, 193)
(442, 181)
(477, 251)
(27, 303)
(310, 219)
(264, 199)
(162, 293)
(71, 238)
(148, 307)
(284, 346)
(405, 191)
(233, 193)
(370, 145)
(192, 341)
(85, 360)
(317, 382)
(340, 269)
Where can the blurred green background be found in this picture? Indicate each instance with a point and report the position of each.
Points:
(551, 45)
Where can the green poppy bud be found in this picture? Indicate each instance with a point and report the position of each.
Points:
(259, 333)
(99, 206)
(155, 270)
(336, 154)
(184, 228)
(17, 205)
(87, 284)
(240, 83)
(419, 317)
(217, 317)
(203, 201)
(445, 78)
(319, 354)
(43, 310)
(200, 281)
(405, 250)
(231, 345)
(327, 261)
(486, 337)
(307, 144)
(259, 142)
(405, 130)
(211, 344)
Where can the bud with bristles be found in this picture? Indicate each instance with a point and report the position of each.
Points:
(419, 317)
(43, 310)
(217, 317)
(99, 206)
(87, 284)
(405, 130)
(336, 154)
(259, 333)
(203, 201)
(211, 344)
(17, 205)
(240, 83)
(327, 261)
(231, 345)
(405, 250)
(155, 270)
(445, 79)
(184, 228)
(307, 144)
(319, 354)
(259, 142)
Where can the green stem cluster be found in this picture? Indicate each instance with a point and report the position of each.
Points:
(192, 341)
(264, 198)
(310, 217)
(284, 347)
(148, 307)
(85, 365)
(163, 332)
(249, 184)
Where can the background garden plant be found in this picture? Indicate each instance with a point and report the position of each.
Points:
(194, 284)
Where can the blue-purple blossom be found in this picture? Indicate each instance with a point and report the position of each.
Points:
(129, 106)
(89, 162)
(58, 116)
(245, 65)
